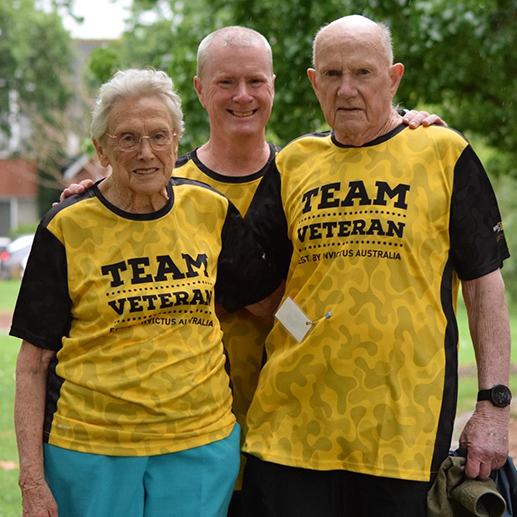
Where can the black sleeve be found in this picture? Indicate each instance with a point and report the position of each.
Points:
(478, 245)
(42, 314)
(244, 275)
(267, 221)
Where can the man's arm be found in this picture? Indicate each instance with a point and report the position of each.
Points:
(29, 413)
(486, 434)
(267, 307)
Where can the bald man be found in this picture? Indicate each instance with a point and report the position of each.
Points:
(355, 405)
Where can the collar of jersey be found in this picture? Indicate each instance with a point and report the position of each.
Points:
(129, 215)
(233, 179)
(378, 140)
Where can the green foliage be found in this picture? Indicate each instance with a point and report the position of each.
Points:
(461, 56)
(103, 62)
(36, 61)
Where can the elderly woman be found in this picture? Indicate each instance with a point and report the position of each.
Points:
(123, 406)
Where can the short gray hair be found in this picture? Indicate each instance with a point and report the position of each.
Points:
(385, 36)
(135, 83)
(232, 35)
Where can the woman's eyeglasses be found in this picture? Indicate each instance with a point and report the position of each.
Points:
(159, 140)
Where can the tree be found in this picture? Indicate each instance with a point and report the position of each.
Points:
(459, 55)
(35, 86)
(36, 62)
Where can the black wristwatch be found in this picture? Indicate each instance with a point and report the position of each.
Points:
(499, 395)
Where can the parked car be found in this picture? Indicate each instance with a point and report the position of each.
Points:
(14, 258)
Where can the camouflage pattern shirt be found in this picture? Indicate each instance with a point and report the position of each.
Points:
(381, 233)
(127, 303)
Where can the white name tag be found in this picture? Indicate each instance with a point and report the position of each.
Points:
(293, 319)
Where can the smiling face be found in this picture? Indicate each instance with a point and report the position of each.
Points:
(236, 87)
(355, 82)
(144, 172)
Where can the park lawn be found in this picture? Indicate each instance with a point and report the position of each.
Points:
(10, 500)
(8, 293)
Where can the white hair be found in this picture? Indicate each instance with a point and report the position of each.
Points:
(233, 35)
(135, 83)
(385, 33)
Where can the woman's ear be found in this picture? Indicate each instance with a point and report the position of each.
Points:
(103, 159)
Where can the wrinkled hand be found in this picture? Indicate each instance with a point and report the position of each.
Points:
(485, 437)
(38, 501)
(415, 119)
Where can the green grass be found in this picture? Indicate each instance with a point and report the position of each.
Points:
(8, 293)
(10, 501)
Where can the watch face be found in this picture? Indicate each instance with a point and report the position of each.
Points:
(501, 395)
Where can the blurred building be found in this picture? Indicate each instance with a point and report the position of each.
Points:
(18, 194)
(19, 181)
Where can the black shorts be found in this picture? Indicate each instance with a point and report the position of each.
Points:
(272, 490)
(236, 505)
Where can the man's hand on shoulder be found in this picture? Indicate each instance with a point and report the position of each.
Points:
(416, 118)
(485, 437)
(75, 188)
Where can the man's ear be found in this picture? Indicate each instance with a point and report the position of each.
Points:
(198, 85)
(312, 75)
(103, 159)
(273, 77)
(396, 73)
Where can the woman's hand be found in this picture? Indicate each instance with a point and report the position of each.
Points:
(37, 499)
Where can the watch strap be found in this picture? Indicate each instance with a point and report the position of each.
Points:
(484, 394)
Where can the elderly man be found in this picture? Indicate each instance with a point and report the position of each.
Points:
(235, 84)
(355, 405)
